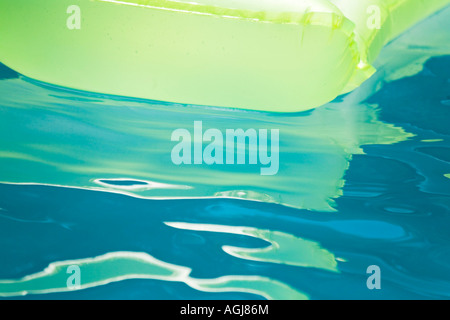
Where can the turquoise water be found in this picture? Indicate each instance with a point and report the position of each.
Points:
(87, 180)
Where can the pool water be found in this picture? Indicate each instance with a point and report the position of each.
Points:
(87, 180)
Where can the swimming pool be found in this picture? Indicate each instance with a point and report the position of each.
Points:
(89, 185)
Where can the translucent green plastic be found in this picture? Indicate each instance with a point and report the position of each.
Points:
(280, 56)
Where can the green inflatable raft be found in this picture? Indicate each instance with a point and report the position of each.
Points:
(268, 55)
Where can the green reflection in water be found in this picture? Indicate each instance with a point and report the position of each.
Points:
(57, 137)
(118, 266)
(284, 248)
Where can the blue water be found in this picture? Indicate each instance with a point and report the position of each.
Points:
(392, 209)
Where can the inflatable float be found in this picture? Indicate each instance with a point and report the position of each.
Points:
(268, 55)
